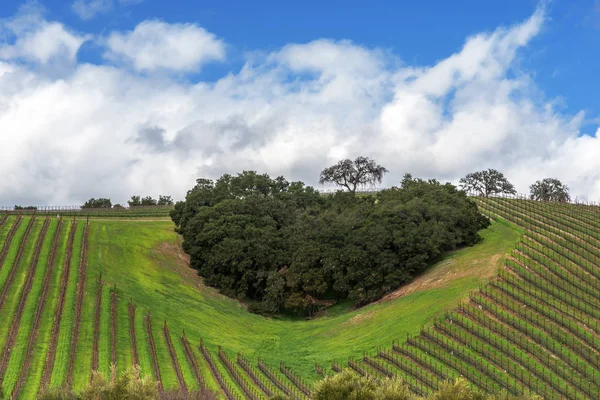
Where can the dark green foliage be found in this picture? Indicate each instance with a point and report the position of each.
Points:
(282, 246)
(164, 201)
(25, 208)
(149, 201)
(97, 203)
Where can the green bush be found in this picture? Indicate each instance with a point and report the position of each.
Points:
(348, 385)
(127, 386)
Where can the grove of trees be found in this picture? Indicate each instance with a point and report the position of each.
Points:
(149, 201)
(281, 246)
(97, 203)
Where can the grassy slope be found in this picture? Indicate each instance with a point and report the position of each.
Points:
(137, 257)
(20, 347)
(6, 227)
(61, 364)
(39, 355)
(12, 300)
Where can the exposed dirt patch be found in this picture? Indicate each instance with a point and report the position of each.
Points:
(181, 264)
(446, 272)
(359, 318)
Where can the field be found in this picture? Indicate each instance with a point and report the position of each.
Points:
(82, 294)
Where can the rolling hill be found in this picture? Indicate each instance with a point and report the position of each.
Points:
(79, 295)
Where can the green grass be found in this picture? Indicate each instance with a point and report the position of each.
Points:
(132, 255)
(85, 343)
(143, 347)
(11, 255)
(4, 229)
(34, 374)
(124, 345)
(167, 372)
(105, 343)
(26, 324)
(67, 322)
(10, 305)
(186, 369)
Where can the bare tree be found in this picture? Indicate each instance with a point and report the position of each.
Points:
(550, 189)
(353, 174)
(486, 183)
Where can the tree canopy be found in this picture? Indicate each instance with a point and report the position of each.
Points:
(97, 203)
(164, 201)
(282, 246)
(353, 174)
(487, 183)
(136, 201)
(549, 189)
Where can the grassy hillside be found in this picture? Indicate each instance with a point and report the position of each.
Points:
(83, 322)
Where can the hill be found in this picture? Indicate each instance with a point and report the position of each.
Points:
(82, 295)
(144, 260)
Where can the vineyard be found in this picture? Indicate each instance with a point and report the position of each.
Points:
(79, 211)
(79, 294)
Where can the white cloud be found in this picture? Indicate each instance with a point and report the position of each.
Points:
(110, 131)
(155, 45)
(37, 40)
(88, 9)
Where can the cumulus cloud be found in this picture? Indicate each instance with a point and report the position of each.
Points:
(154, 45)
(117, 130)
(29, 37)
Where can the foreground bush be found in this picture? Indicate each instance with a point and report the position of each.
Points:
(348, 385)
(128, 386)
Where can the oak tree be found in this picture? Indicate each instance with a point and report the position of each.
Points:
(550, 189)
(487, 183)
(353, 174)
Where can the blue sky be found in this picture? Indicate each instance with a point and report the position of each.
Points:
(144, 96)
